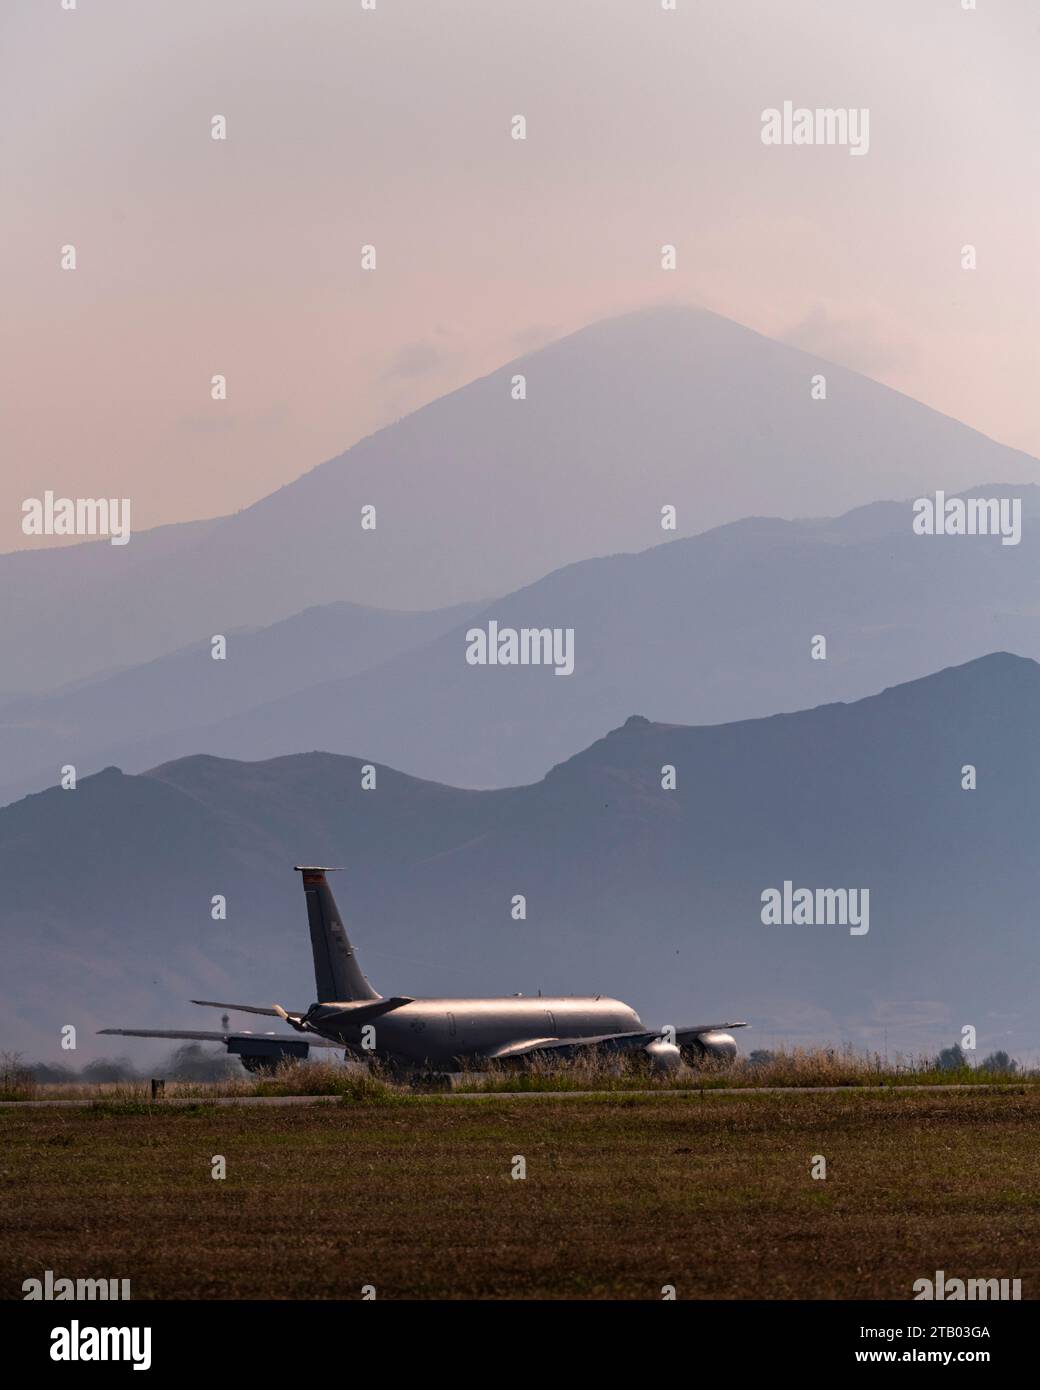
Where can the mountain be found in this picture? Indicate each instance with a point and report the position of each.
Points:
(706, 629)
(651, 894)
(158, 699)
(479, 493)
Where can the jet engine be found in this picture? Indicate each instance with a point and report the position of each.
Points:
(716, 1049)
(664, 1056)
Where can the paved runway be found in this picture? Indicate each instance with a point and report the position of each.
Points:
(505, 1095)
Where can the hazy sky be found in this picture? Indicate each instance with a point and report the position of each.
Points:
(392, 127)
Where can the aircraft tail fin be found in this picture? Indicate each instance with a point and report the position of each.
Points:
(337, 974)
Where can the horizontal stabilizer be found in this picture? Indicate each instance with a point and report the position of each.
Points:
(238, 1008)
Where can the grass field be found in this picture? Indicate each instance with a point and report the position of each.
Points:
(710, 1193)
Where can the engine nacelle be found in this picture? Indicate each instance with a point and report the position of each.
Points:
(664, 1056)
(718, 1049)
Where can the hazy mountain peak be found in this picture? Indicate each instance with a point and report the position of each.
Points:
(481, 491)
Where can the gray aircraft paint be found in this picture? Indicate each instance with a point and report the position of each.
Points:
(443, 1034)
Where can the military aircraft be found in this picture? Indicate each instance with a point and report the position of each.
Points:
(418, 1035)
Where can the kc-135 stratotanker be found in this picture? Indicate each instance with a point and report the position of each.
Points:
(410, 1034)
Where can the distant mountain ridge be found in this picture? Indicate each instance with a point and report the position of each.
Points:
(479, 493)
(707, 629)
(40, 734)
(632, 889)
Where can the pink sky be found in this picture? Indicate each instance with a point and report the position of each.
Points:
(199, 257)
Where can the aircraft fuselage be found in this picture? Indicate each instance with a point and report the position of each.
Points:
(448, 1032)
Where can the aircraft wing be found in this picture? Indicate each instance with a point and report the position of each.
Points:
(193, 1035)
(682, 1034)
(570, 1047)
(604, 1043)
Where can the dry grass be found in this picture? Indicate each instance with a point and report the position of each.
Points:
(711, 1193)
(794, 1067)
